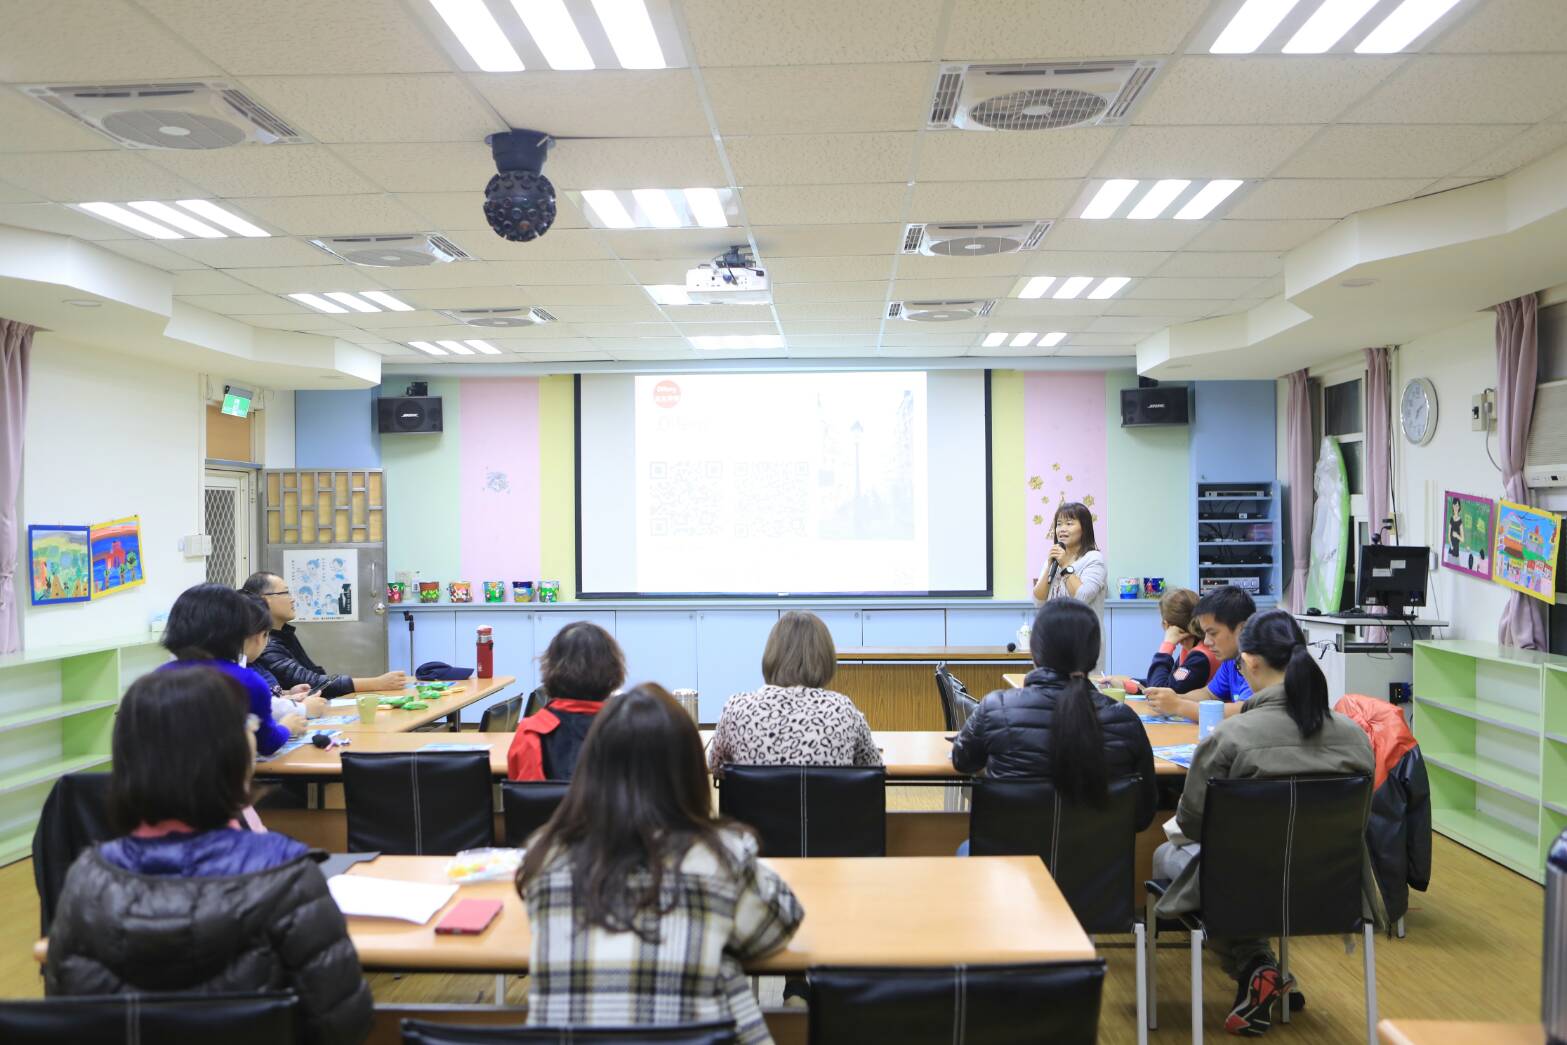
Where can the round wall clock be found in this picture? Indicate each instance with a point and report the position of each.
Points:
(1417, 411)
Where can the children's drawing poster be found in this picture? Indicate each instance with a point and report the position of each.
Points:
(324, 582)
(1524, 555)
(60, 561)
(1466, 534)
(116, 556)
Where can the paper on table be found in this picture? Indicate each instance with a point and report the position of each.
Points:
(334, 720)
(1180, 754)
(343, 702)
(364, 896)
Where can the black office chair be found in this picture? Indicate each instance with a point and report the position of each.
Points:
(527, 804)
(1280, 857)
(75, 816)
(501, 717)
(536, 701)
(956, 704)
(423, 1032)
(809, 810)
(436, 802)
(1056, 1002)
(113, 1019)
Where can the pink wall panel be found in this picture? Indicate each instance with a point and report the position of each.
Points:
(1064, 452)
(499, 511)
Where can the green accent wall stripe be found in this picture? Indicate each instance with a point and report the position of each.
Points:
(1008, 535)
(423, 495)
(1149, 517)
(558, 482)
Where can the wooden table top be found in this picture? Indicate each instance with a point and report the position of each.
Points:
(391, 720)
(1454, 1032)
(859, 911)
(932, 654)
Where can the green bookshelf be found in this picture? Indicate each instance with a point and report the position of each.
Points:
(56, 717)
(1492, 724)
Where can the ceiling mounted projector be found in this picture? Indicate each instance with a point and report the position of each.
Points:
(732, 278)
(519, 201)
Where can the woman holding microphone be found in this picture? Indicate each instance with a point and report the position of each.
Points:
(1076, 567)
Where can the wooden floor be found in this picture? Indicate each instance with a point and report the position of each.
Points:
(1473, 952)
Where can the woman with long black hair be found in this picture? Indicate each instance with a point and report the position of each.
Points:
(1075, 567)
(1285, 729)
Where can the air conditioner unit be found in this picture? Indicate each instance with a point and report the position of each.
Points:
(972, 239)
(497, 317)
(196, 115)
(1039, 96)
(940, 311)
(1545, 459)
(393, 251)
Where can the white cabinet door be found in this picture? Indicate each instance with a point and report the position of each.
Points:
(904, 628)
(660, 646)
(729, 646)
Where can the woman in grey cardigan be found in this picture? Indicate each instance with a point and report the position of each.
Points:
(1076, 567)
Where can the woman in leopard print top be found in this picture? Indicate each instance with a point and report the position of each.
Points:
(794, 720)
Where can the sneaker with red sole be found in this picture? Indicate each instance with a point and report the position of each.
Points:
(1254, 1002)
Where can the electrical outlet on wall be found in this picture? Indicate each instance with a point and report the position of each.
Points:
(1482, 410)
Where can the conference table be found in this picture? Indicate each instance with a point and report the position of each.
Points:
(906, 911)
(1458, 1032)
(393, 720)
(895, 687)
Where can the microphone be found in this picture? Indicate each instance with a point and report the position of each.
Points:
(1055, 565)
(1011, 647)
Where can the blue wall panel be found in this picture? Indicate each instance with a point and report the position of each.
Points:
(1233, 432)
(335, 430)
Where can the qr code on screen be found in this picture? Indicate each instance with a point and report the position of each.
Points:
(771, 499)
(682, 495)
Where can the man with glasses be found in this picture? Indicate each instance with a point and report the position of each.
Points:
(285, 657)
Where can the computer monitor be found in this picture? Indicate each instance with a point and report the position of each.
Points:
(1393, 576)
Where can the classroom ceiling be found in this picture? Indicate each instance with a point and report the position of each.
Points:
(815, 111)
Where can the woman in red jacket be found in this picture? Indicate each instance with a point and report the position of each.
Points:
(1182, 662)
(582, 666)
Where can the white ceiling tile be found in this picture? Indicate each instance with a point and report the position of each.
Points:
(1430, 150)
(307, 323)
(564, 244)
(823, 241)
(303, 36)
(1052, 262)
(1101, 339)
(812, 32)
(832, 326)
(1445, 184)
(1175, 308)
(823, 204)
(465, 209)
(1215, 264)
(951, 289)
(1095, 352)
(862, 311)
(689, 246)
(1285, 198)
(1025, 30)
(79, 177)
(1513, 25)
(830, 344)
(1167, 235)
(1515, 88)
(664, 271)
(593, 104)
(633, 163)
(1529, 146)
(91, 41)
(894, 348)
(370, 213)
(1271, 287)
(820, 99)
(1257, 235)
(421, 167)
(820, 159)
(53, 217)
(1201, 152)
(472, 297)
(251, 304)
(208, 281)
(28, 125)
(263, 170)
(936, 201)
(831, 270)
(602, 295)
(923, 266)
(237, 252)
(311, 280)
(14, 194)
(393, 322)
(1262, 89)
(429, 108)
(998, 156)
(667, 347)
(1137, 326)
(1017, 310)
(802, 293)
(637, 331)
(687, 314)
(1216, 288)
(150, 254)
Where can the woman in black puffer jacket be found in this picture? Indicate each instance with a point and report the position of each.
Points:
(187, 900)
(1058, 726)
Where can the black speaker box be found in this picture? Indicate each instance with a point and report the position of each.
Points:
(1164, 405)
(400, 414)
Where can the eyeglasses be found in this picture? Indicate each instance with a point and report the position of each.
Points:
(270, 594)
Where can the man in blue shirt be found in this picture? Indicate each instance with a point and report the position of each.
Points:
(1221, 614)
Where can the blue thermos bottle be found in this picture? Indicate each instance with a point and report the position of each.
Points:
(1553, 986)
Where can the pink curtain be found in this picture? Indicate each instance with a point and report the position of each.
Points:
(1297, 453)
(1378, 415)
(1517, 371)
(16, 344)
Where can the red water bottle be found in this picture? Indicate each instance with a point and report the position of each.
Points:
(486, 653)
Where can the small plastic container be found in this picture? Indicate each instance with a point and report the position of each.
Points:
(369, 704)
(483, 865)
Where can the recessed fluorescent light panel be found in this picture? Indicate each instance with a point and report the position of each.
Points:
(692, 208)
(480, 35)
(1157, 199)
(997, 338)
(1252, 24)
(200, 218)
(1052, 339)
(1023, 340)
(552, 29)
(1036, 287)
(427, 348)
(340, 301)
(1073, 286)
(630, 32)
(456, 348)
(1327, 25)
(484, 347)
(668, 294)
(1401, 28)
(994, 340)
(503, 37)
(1108, 287)
(1108, 199)
(1181, 198)
(1322, 26)
(720, 341)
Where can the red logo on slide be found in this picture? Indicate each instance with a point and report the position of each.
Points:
(666, 394)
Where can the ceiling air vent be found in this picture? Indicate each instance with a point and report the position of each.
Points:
(946, 101)
(1042, 96)
(196, 115)
(939, 311)
(973, 238)
(497, 317)
(895, 310)
(410, 250)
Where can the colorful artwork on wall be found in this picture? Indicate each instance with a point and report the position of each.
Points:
(1524, 552)
(61, 561)
(1466, 533)
(116, 556)
(325, 583)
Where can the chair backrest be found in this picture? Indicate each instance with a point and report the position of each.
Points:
(1091, 852)
(1056, 1002)
(421, 1032)
(810, 810)
(418, 803)
(501, 717)
(234, 1019)
(1282, 856)
(527, 804)
(75, 816)
(536, 701)
(956, 704)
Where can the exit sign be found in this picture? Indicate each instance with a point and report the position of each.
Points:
(236, 405)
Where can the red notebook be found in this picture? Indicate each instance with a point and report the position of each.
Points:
(469, 917)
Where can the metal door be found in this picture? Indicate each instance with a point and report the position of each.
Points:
(229, 503)
(309, 513)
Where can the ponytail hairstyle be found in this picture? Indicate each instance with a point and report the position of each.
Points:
(1276, 638)
(1066, 640)
(1177, 607)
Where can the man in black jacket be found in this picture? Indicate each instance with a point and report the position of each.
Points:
(285, 658)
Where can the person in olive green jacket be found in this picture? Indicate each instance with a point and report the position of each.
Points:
(1285, 729)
